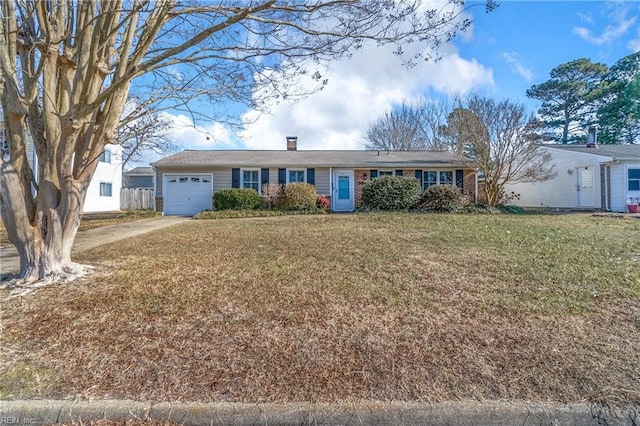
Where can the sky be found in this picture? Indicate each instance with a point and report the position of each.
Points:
(501, 55)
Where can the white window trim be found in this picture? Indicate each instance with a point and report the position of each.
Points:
(631, 167)
(303, 170)
(111, 189)
(105, 153)
(453, 177)
(387, 171)
(251, 170)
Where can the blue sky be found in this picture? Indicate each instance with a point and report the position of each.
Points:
(503, 54)
(522, 41)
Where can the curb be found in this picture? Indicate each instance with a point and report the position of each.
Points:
(33, 412)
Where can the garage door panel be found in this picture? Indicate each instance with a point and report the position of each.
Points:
(188, 194)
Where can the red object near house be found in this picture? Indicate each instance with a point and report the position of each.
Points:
(633, 208)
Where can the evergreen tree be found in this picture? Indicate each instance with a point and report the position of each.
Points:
(569, 97)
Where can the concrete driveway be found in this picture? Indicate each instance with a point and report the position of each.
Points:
(10, 261)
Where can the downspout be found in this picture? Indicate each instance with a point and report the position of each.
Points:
(331, 187)
(607, 203)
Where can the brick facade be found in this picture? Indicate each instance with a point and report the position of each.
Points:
(159, 204)
(468, 183)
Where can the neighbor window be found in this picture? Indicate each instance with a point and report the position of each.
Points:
(105, 189)
(385, 173)
(105, 157)
(634, 179)
(251, 179)
(436, 177)
(296, 176)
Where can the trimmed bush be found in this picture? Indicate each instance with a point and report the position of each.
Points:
(511, 209)
(236, 199)
(442, 198)
(391, 193)
(299, 196)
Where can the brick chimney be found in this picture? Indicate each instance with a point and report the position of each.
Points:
(292, 143)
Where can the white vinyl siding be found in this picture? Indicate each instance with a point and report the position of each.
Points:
(620, 193)
(323, 181)
(107, 174)
(561, 191)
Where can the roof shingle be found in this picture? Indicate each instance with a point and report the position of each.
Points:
(618, 152)
(335, 158)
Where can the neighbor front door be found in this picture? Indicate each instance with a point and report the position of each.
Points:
(586, 187)
(343, 191)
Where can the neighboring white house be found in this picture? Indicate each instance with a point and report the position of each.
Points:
(588, 177)
(103, 193)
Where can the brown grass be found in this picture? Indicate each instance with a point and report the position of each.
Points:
(332, 308)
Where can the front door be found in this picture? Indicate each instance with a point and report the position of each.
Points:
(343, 191)
(586, 187)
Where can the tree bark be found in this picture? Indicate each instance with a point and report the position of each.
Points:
(43, 237)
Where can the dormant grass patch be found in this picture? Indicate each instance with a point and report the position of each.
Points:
(342, 308)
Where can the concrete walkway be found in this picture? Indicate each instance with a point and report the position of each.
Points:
(85, 240)
(354, 413)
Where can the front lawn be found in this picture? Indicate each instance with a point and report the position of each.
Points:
(342, 307)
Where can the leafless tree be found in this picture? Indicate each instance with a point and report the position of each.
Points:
(434, 117)
(142, 131)
(411, 126)
(502, 141)
(67, 67)
(398, 130)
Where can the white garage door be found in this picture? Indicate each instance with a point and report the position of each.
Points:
(187, 194)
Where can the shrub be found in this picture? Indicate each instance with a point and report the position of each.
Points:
(322, 202)
(271, 197)
(442, 198)
(299, 196)
(511, 209)
(236, 199)
(391, 193)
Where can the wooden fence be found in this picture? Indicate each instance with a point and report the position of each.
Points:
(137, 199)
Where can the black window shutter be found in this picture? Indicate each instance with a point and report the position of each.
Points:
(264, 176)
(282, 176)
(235, 178)
(373, 173)
(459, 178)
(311, 176)
(419, 175)
(399, 173)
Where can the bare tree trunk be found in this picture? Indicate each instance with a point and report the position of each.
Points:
(492, 191)
(43, 239)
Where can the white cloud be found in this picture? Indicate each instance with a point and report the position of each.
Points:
(634, 44)
(587, 17)
(210, 136)
(621, 23)
(515, 62)
(359, 90)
